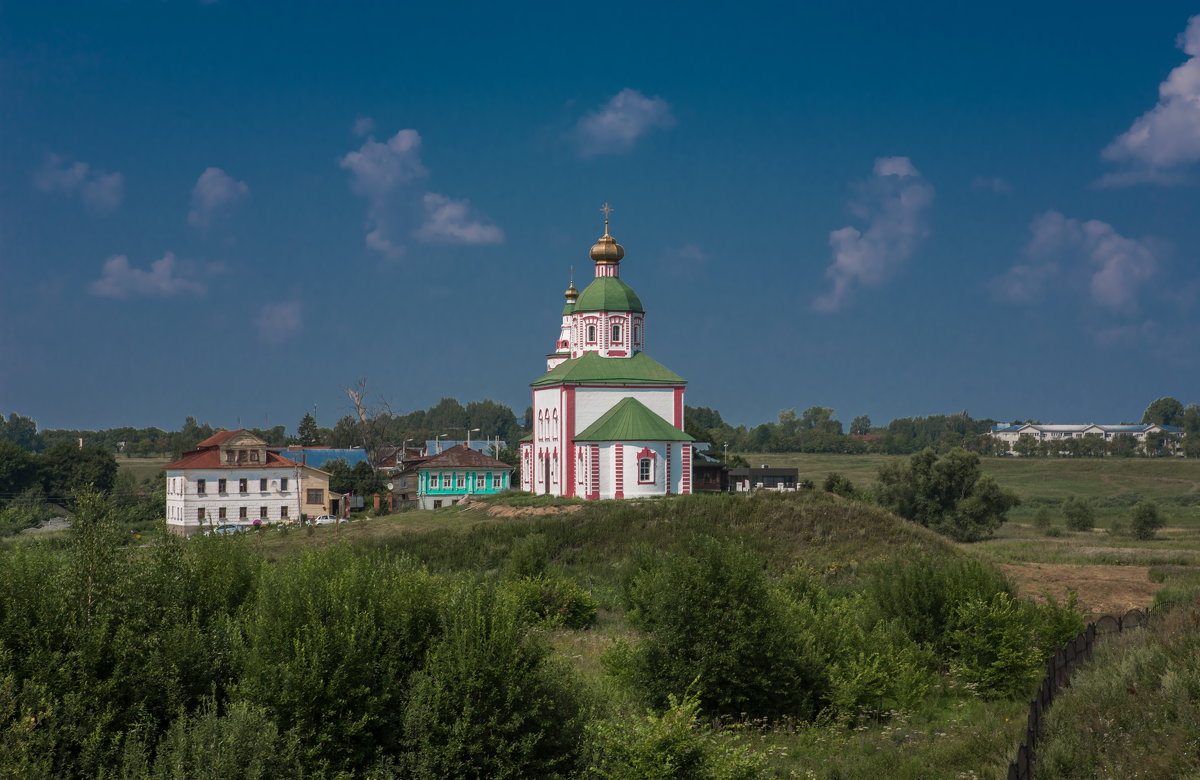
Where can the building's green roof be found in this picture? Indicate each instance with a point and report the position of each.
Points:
(608, 293)
(641, 369)
(526, 437)
(630, 420)
(570, 307)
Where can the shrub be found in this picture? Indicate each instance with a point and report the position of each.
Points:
(1145, 520)
(993, 649)
(487, 702)
(553, 602)
(837, 483)
(241, 742)
(1079, 513)
(1053, 531)
(708, 614)
(924, 593)
(871, 666)
(1042, 518)
(529, 557)
(327, 647)
(672, 745)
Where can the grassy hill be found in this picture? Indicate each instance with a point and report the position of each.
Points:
(592, 541)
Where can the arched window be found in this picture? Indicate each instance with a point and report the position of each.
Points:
(616, 334)
(637, 334)
(591, 330)
(646, 460)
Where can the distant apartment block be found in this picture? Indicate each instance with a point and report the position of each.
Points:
(1140, 433)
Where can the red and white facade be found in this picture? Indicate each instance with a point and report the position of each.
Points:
(554, 460)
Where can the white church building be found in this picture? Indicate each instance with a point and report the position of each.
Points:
(607, 418)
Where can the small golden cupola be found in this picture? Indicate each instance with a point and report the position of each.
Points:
(606, 252)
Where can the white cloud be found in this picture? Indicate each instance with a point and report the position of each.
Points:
(1062, 250)
(364, 126)
(448, 221)
(166, 278)
(991, 184)
(379, 168)
(892, 204)
(619, 123)
(215, 191)
(386, 175)
(278, 321)
(101, 192)
(1166, 138)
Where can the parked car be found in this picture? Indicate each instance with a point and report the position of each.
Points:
(222, 530)
(325, 520)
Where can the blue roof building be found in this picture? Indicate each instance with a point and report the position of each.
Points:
(317, 457)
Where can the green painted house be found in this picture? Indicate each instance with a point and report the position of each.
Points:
(458, 473)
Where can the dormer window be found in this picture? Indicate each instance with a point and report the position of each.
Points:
(254, 456)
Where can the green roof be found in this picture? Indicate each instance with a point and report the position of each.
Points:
(526, 437)
(641, 369)
(608, 293)
(630, 420)
(570, 307)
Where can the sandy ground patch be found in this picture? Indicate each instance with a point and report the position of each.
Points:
(1101, 589)
(497, 510)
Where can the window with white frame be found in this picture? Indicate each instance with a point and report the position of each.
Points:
(460, 482)
(433, 481)
(616, 334)
(480, 482)
(645, 470)
(591, 334)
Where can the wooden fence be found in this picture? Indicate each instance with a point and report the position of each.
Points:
(1059, 669)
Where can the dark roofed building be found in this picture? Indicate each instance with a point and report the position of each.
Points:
(765, 478)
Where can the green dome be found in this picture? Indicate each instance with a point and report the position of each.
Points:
(609, 293)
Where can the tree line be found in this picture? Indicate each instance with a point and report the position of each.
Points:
(814, 430)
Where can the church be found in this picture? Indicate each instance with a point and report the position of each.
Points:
(607, 418)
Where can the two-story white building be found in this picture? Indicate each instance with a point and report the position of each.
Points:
(232, 478)
(1052, 433)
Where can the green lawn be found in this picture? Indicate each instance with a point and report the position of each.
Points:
(142, 468)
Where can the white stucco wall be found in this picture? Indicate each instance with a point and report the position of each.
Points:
(183, 502)
(591, 403)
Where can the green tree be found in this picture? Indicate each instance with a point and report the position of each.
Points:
(950, 495)
(307, 433)
(1025, 445)
(18, 469)
(861, 425)
(1079, 514)
(1146, 520)
(1164, 411)
(65, 469)
(21, 431)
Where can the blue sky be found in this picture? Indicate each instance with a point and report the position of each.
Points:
(232, 209)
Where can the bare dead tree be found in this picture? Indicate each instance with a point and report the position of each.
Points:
(373, 418)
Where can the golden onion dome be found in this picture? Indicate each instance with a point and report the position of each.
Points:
(607, 250)
(571, 293)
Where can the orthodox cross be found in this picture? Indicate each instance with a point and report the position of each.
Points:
(607, 209)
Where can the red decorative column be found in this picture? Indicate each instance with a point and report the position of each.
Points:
(619, 476)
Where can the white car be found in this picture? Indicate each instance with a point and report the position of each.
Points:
(325, 520)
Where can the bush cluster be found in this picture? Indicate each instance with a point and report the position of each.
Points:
(197, 658)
